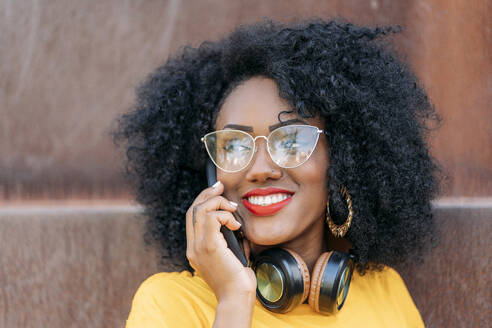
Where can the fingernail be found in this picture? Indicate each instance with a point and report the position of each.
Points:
(216, 184)
(232, 203)
(238, 223)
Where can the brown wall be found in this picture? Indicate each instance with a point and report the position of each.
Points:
(51, 276)
(68, 68)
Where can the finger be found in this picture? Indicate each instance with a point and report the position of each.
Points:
(214, 209)
(217, 189)
(189, 227)
(215, 203)
(208, 231)
(197, 213)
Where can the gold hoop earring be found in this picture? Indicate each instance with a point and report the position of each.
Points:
(340, 230)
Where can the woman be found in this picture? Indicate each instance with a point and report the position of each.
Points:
(317, 131)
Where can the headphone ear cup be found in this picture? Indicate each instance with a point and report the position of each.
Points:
(330, 282)
(314, 290)
(283, 279)
(305, 274)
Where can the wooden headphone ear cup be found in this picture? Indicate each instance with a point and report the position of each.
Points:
(305, 273)
(316, 279)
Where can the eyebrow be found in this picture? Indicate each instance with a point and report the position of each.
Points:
(288, 122)
(239, 127)
(248, 128)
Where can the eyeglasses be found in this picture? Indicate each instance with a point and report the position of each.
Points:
(289, 146)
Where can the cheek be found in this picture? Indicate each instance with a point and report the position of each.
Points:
(231, 182)
(315, 170)
(314, 180)
(228, 178)
(312, 177)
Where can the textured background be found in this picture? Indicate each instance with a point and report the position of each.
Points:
(68, 68)
(80, 267)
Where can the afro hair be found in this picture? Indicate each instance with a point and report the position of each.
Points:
(377, 119)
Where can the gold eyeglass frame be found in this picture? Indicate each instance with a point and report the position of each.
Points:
(255, 149)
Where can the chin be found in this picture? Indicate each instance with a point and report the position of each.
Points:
(265, 240)
(265, 236)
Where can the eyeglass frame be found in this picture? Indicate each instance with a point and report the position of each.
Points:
(255, 149)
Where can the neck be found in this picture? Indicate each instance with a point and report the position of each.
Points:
(316, 240)
(309, 245)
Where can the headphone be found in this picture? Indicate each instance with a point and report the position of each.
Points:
(283, 280)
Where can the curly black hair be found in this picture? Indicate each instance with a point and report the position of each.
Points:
(377, 119)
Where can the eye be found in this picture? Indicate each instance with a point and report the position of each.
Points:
(235, 145)
(289, 143)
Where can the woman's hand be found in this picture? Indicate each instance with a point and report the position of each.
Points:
(208, 253)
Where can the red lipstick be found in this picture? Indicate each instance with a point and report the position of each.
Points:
(261, 210)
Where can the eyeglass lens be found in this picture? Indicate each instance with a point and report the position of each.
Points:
(289, 146)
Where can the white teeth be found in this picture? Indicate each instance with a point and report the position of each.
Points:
(267, 200)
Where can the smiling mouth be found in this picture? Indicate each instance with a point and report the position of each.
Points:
(266, 205)
(268, 200)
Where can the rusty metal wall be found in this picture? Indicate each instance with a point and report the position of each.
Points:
(68, 68)
(43, 271)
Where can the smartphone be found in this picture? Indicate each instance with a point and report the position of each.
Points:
(233, 238)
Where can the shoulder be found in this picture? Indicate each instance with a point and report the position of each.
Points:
(387, 275)
(166, 299)
(385, 284)
(385, 292)
(169, 287)
(165, 280)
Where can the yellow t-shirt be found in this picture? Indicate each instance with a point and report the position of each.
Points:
(179, 299)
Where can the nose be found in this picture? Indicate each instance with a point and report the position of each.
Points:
(262, 166)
